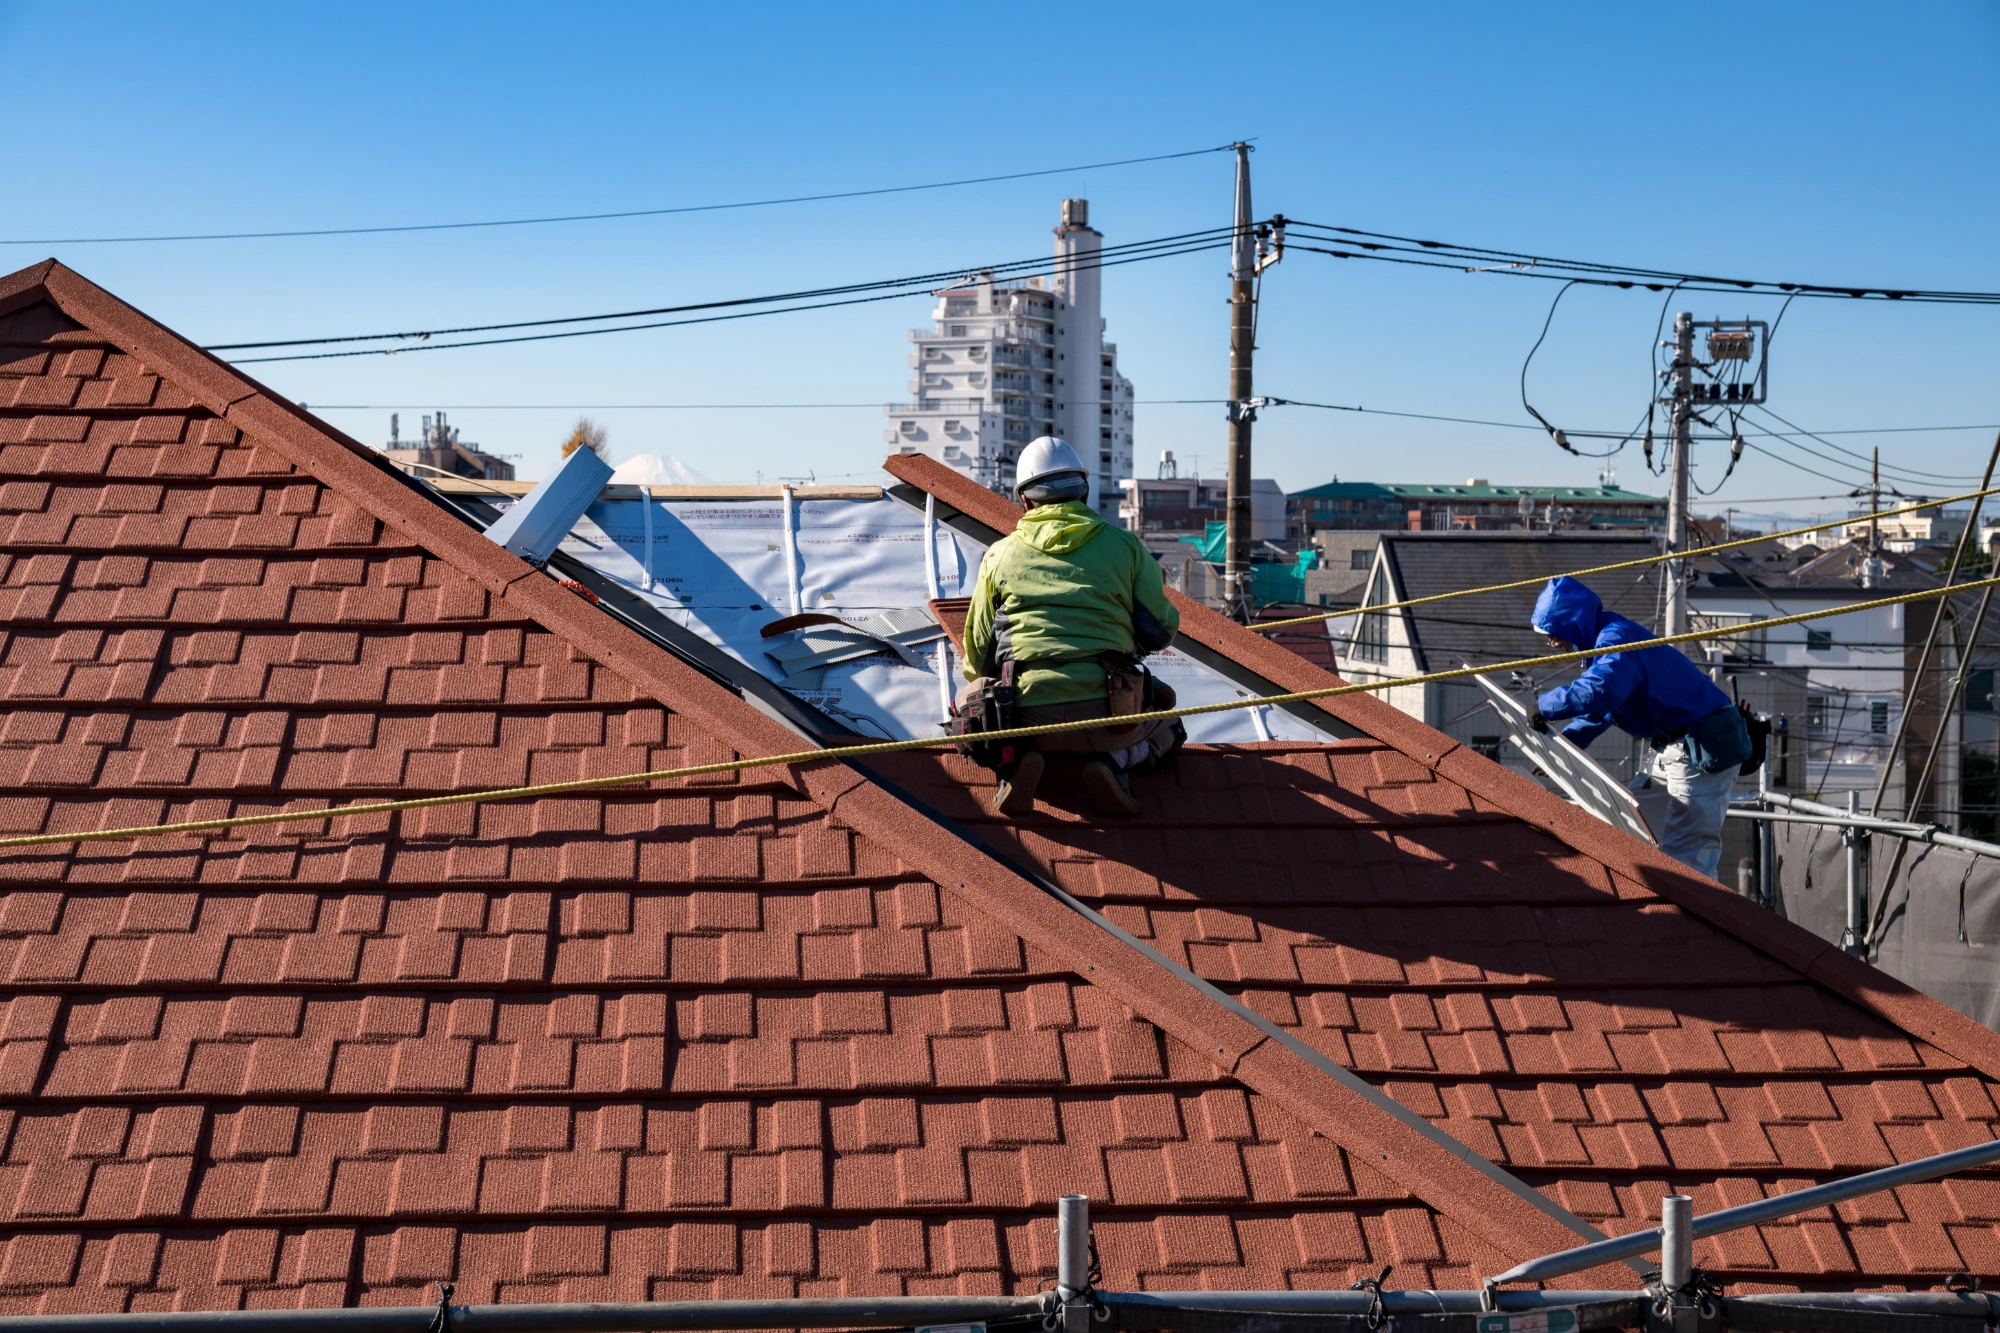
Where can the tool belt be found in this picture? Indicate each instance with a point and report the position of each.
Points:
(1721, 740)
(1130, 688)
(990, 707)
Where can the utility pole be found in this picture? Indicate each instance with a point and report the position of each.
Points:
(1875, 503)
(1681, 398)
(1242, 412)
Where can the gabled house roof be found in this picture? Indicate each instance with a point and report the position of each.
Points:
(818, 1030)
(1495, 626)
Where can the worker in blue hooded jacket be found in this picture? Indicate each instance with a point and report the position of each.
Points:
(1699, 736)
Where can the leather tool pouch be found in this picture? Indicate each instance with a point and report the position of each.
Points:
(1125, 692)
(991, 707)
(1128, 687)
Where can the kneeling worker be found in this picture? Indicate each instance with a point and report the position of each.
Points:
(1071, 603)
(1700, 736)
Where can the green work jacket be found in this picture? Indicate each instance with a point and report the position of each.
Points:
(1064, 587)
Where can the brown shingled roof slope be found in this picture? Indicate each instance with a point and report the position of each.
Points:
(767, 1033)
(1571, 1004)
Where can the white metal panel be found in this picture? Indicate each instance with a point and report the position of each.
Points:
(1582, 778)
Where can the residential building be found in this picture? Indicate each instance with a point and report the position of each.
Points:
(439, 450)
(1005, 362)
(1856, 666)
(1329, 1009)
(1936, 526)
(1477, 506)
(1177, 506)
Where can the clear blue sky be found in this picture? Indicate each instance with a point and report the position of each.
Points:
(1825, 143)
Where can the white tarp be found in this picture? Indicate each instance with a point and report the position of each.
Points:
(727, 568)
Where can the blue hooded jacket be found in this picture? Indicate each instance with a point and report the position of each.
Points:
(1652, 692)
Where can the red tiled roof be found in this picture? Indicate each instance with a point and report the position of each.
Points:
(783, 1031)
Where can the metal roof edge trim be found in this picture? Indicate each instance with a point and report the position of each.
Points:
(1002, 899)
(25, 287)
(1915, 1014)
(1399, 592)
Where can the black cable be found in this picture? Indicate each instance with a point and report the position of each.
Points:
(1011, 269)
(1894, 473)
(600, 217)
(672, 323)
(1554, 434)
(1915, 472)
(1612, 275)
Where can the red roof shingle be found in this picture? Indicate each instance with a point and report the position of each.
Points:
(789, 1031)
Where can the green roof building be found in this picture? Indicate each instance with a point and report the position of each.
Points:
(1477, 506)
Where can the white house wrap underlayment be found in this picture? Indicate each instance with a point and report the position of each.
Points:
(727, 568)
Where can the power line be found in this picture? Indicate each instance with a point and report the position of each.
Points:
(424, 346)
(601, 217)
(1008, 268)
(1388, 248)
(643, 407)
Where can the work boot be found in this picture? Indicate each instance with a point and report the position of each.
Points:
(1016, 794)
(1110, 790)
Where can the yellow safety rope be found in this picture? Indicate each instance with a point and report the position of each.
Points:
(1266, 626)
(934, 742)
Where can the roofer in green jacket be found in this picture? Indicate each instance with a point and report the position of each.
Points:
(1071, 604)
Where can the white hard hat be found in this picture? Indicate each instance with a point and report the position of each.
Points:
(1043, 458)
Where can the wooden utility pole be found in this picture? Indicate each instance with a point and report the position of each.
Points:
(1242, 410)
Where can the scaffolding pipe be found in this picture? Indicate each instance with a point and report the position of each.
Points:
(1857, 888)
(1072, 1245)
(1747, 1215)
(1676, 1241)
(1923, 832)
(595, 1317)
(1205, 1311)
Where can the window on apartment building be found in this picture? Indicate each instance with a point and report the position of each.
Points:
(1816, 716)
(958, 330)
(933, 353)
(976, 353)
(951, 427)
(1361, 557)
(1878, 716)
(1819, 640)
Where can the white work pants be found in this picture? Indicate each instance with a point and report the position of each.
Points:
(1696, 805)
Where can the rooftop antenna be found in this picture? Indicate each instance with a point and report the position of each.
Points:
(1169, 470)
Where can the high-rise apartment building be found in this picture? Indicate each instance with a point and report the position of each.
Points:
(1009, 361)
